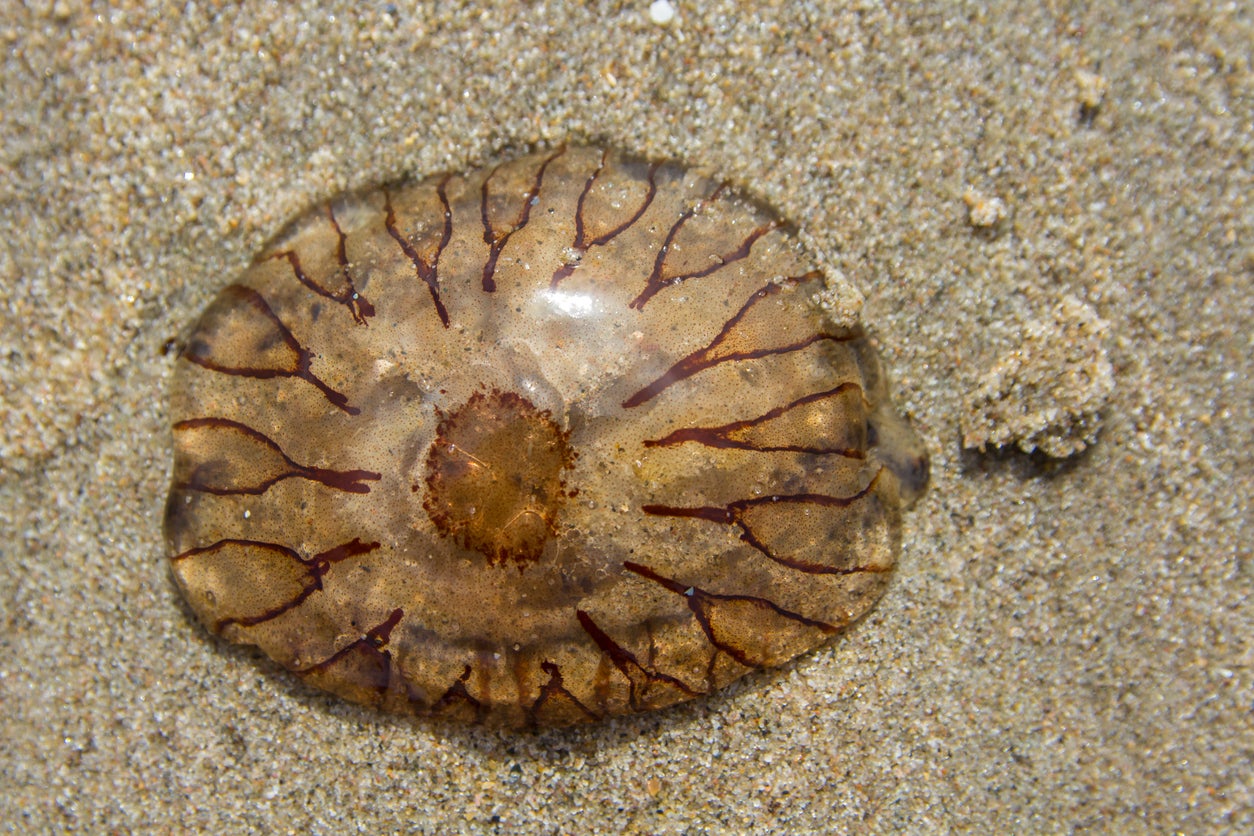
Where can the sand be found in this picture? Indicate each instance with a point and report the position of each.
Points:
(1068, 643)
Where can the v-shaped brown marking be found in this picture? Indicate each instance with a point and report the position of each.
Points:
(638, 675)
(741, 338)
(737, 513)
(763, 434)
(347, 296)
(369, 657)
(261, 454)
(582, 242)
(426, 263)
(458, 696)
(497, 239)
(554, 693)
(658, 279)
(705, 606)
(312, 568)
(265, 325)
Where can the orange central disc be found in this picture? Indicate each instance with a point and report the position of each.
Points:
(494, 477)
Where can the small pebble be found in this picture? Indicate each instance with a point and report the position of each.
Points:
(661, 12)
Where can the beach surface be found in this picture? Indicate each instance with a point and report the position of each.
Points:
(1047, 210)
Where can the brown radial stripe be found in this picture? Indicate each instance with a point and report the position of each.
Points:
(657, 280)
(495, 240)
(733, 513)
(582, 243)
(426, 264)
(200, 351)
(315, 567)
(734, 435)
(200, 479)
(730, 346)
(357, 304)
(629, 665)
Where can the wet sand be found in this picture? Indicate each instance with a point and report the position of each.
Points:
(1067, 643)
